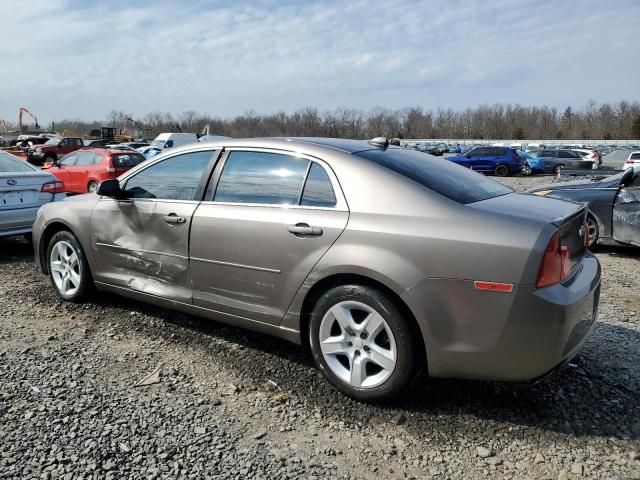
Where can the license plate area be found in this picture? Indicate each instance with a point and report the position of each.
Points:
(18, 199)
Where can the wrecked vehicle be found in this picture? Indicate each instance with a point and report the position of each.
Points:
(383, 261)
(53, 149)
(614, 205)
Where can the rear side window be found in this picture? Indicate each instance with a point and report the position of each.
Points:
(442, 176)
(127, 160)
(11, 164)
(318, 191)
(568, 154)
(547, 153)
(260, 177)
(501, 152)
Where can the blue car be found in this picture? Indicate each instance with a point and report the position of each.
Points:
(532, 164)
(500, 161)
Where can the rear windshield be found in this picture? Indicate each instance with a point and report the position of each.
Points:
(11, 164)
(127, 159)
(444, 177)
(635, 156)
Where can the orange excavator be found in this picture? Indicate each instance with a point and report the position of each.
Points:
(26, 110)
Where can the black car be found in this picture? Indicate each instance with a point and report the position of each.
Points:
(555, 159)
(614, 206)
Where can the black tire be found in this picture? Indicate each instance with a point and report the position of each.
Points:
(86, 282)
(405, 365)
(501, 171)
(594, 230)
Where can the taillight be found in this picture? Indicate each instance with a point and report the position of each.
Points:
(55, 186)
(556, 264)
(586, 233)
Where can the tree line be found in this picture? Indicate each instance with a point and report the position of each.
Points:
(497, 121)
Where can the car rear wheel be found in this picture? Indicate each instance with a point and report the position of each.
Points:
(68, 267)
(502, 171)
(92, 187)
(361, 343)
(594, 230)
(557, 169)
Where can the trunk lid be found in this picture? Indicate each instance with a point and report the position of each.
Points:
(530, 207)
(21, 190)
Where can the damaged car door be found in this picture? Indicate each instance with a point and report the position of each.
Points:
(626, 210)
(141, 241)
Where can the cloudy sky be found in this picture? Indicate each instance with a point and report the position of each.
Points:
(84, 58)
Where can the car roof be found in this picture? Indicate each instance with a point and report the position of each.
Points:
(286, 143)
(106, 150)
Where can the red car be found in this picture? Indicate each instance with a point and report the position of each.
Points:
(82, 170)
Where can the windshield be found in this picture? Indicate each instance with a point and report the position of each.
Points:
(53, 141)
(442, 176)
(11, 164)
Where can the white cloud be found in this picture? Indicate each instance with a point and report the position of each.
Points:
(71, 59)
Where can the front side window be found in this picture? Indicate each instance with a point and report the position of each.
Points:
(175, 178)
(85, 159)
(259, 177)
(318, 191)
(69, 161)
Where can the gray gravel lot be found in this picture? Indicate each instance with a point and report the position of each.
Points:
(221, 402)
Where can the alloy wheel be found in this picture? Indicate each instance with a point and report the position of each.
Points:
(64, 266)
(357, 344)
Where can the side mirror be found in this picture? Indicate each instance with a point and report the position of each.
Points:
(168, 144)
(110, 188)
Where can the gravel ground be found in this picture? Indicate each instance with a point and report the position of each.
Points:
(221, 402)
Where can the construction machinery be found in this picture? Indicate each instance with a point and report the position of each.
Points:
(20, 113)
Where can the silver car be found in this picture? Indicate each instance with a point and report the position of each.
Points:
(23, 189)
(381, 260)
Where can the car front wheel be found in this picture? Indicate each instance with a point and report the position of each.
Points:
(92, 187)
(361, 342)
(68, 267)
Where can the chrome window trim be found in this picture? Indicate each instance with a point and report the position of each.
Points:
(341, 202)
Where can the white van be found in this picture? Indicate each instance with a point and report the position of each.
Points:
(170, 140)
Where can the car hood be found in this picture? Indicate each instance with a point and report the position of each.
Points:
(530, 207)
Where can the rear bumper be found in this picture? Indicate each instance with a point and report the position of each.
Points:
(18, 221)
(517, 336)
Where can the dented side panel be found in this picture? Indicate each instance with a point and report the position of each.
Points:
(137, 246)
(626, 216)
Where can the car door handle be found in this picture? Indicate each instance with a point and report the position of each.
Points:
(304, 229)
(173, 218)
